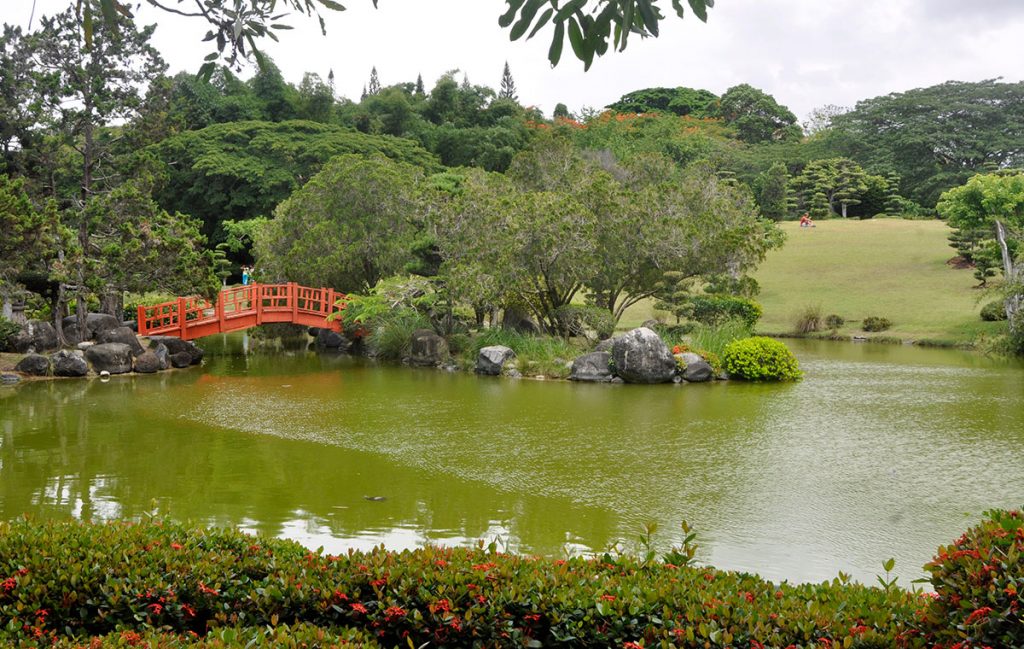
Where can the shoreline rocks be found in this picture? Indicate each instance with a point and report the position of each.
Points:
(641, 356)
(491, 360)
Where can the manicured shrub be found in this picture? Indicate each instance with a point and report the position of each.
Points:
(715, 309)
(760, 359)
(979, 587)
(994, 311)
(874, 323)
(72, 580)
(833, 321)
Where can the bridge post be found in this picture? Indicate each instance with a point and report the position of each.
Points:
(218, 310)
(257, 298)
(182, 321)
(140, 320)
(293, 296)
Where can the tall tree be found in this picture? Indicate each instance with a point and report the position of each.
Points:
(88, 76)
(994, 204)
(831, 186)
(419, 86)
(373, 88)
(348, 227)
(756, 115)
(771, 191)
(508, 85)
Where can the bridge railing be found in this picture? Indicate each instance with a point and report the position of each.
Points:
(242, 307)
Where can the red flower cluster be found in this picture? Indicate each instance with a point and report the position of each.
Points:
(978, 614)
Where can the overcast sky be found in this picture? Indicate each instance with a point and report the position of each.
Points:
(807, 53)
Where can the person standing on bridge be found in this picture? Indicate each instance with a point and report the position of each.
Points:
(245, 275)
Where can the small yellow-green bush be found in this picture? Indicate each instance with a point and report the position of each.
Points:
(760, 359)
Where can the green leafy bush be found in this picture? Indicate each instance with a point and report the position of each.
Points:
(979, 586)
(833, 321)
(994, 311)
(7, 331)
(874, 323)
(299, 636)
(761, 359)
(576, 319)
(75, 580)
(715, 309)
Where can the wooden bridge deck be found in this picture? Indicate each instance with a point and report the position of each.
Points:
(240, 308)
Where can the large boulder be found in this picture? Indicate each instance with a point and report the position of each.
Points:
(162, 355)
(328, 339)
(698, 372)
(428, 349)
(148, 362)
(95, 324)
(592, 367)
(34, 365)
(69, 363)
(516, 320)
(35, 337)
(605, 345)
(122, 335)
(176, 346)
(115, 358)
(642, 357)
(180, 359)
(491, 360)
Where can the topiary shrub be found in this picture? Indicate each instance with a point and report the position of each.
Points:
(715, 309)
(875, 323)
(979, 586)
(994, 311)
(760, 359)
(834, 321)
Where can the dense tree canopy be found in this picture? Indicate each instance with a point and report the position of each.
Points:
(935, 138)
(680, 101)
(241, 170)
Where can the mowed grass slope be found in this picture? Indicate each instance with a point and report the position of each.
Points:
(890, 268)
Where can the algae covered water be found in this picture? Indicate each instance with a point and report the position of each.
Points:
(882, 451)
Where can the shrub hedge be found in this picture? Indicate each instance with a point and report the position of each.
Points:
(760, 359)
(875, 323)
(158, 583)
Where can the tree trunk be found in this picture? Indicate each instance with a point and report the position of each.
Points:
(844, 210)
(57, 309)
(1015, 301)
(81, 293)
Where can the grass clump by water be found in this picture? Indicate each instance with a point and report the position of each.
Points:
(535, 355)
(809, 320)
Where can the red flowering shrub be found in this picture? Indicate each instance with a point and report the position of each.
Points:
(979, 587)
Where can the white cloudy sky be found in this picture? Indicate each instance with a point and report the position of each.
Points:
(805, 52)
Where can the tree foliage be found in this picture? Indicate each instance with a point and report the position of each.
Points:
(244, 169)
(755, 115)
(680, 101)
(935, 138)
(347, 228)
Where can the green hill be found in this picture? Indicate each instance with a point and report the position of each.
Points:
(890, 268)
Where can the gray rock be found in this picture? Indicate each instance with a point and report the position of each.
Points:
(313, 331)
(147, 362)
(677, 379)
(176, 345)
(9, 379)
(642, 357)
(162, 355)
(698, 372)
(689, 358)
(69, 363)
(516, 374)
(122, 335)
(491, 360)
(516, 320)
(617, 379)
(606, 345)
(115, 358)
(428, 348)
(592, 367)
(84, 346)
(34, 365)
(35, 337)
(95, 324)
(181, 359)
(331, 340)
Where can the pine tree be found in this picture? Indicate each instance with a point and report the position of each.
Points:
(374, 87)
(893, 204)
(362, 97)
(508, 85)
(330, 80)
(419, 85)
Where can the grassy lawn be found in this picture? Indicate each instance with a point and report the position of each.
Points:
(890, 268)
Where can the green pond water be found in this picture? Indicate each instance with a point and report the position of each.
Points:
(882, 451)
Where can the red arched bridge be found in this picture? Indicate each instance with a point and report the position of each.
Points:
(240, 308)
